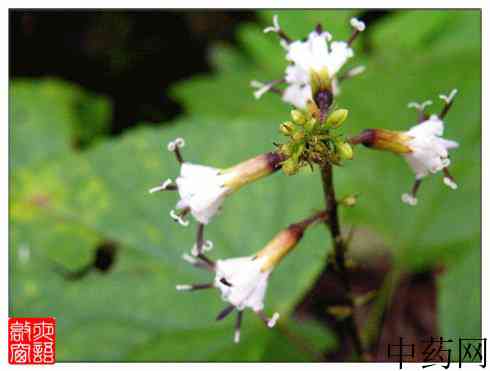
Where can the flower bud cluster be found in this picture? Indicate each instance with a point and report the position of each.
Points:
(313, 139)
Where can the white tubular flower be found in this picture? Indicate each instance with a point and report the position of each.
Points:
(297, 95)
(314, 61)
(242, 282)
(202, 190)
(429, 151)
(315, 55)
(423, 146)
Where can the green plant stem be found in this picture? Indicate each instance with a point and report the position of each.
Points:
(333, 224)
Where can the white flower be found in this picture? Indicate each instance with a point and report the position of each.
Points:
(429, 151)
(202, 190)
(315, 54)
(242, 282)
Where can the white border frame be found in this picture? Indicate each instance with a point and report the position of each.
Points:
(180, 4)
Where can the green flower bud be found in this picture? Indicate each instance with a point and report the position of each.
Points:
(337, 117)
(298, 117)
(287, 128)
(313, 109)
(344, 150)
(310, 124)
(286, 150)
(290, 167)
(299, 135)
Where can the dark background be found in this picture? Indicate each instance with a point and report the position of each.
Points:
(130, 56)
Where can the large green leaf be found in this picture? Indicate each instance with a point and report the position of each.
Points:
(414, 56)
(104, 192)
(61, 210)
(51, 117)
(460, 299)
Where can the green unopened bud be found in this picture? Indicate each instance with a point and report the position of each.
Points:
(310, 124)
(298, 117)
(349, 200)
(313, 109)
(287, 128)
(299, 135)
(290, 166)
(286, 150)
(337, 117)
(320, 147)
(345, 151)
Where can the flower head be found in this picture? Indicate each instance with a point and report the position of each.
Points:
(203, 189)
(422, 146)
(318, 58)
(242, 281)
(428, 150)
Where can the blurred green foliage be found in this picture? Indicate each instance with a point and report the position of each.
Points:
(65, 202)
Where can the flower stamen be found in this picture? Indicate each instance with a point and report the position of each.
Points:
(420, 108)
(449, 180)
(354, 71)
(225, 312)
(194, 287)
(238, 325)
(167, 185)
(358, 27)
(179, 216)
(448, 102)
(175, 146)
(276, 28)
(269, 322)
(264, 87)
(411, 198)
(200, 262)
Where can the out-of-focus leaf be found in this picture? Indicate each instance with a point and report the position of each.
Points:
(460, 299)
(84, 199)
(412, 31)
(50, 117)
(105, 192)
(295, 341)
(414, 56)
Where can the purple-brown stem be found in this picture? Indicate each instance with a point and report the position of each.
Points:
(333, 224)
(354, 35)
(446, 108)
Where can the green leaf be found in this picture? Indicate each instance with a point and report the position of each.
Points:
(406, 63)
(61, 210)
(50, 118)
(104, 192)
(459, 300)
